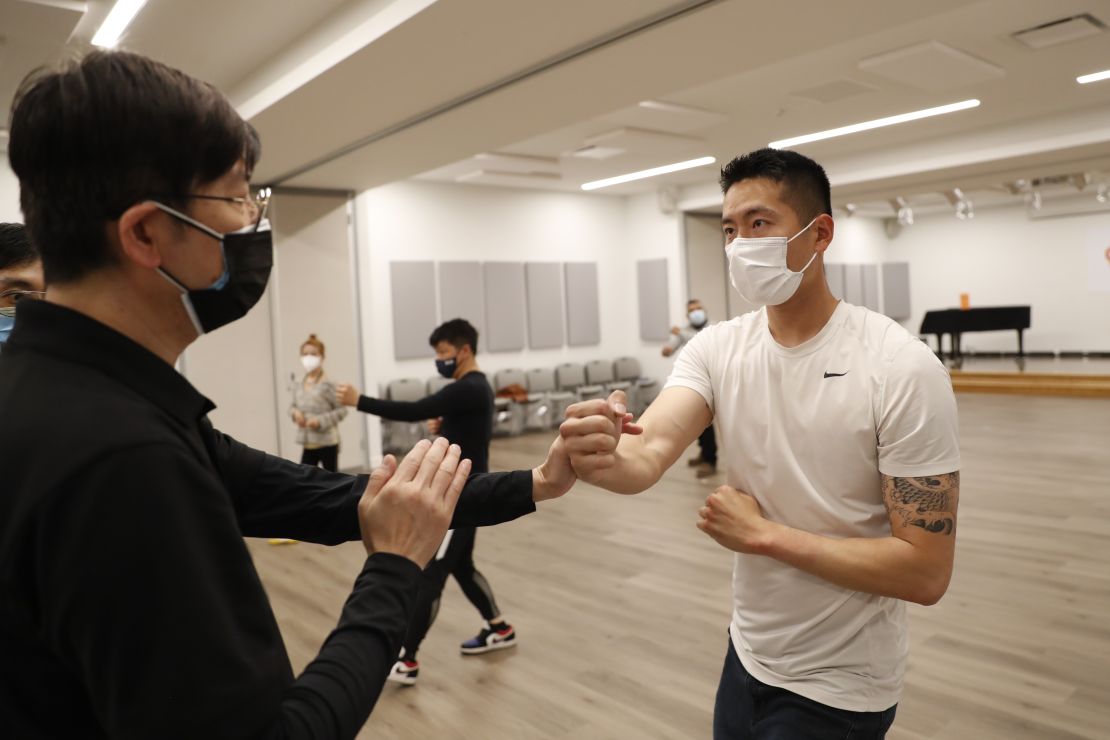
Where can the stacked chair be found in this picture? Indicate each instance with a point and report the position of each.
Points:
(603, 373)
(571, 377)
(547, 405)
(399, 437)
(508, 415)
(642, 391)
(550, 392)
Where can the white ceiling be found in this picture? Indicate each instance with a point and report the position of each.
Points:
(360, 93)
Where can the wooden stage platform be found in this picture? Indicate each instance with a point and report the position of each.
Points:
(1040, 377)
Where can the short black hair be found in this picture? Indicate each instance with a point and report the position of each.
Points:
(805, 186)
(108, 131)
(16, 248)
(456, 332)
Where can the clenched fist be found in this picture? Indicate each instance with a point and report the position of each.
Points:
(346, 394)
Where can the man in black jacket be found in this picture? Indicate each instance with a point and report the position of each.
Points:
(461, 411)
(129, 606)
(20, 274)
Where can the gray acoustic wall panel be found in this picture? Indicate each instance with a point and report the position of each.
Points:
(412, 289)
(583, 316)
(504, 285)
(651, 282)
(461, 295)
(896, 290)
(870, 279)
(544, 281)
(853, 284)
(835, 274)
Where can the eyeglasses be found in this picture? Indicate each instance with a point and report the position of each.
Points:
(10, 297)
(260, 201)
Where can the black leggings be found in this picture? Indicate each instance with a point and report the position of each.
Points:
(326, 457)
(458, 561)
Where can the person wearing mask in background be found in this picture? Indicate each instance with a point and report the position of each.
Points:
(20, 274)
(463, 413)
(706, 460)
(129, 605)
(315, 410)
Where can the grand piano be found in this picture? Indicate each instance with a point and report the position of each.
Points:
(958, 321)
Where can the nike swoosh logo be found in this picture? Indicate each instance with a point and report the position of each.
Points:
(835, 375)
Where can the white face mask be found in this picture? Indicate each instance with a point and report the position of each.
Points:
(310, 362)
(757, 268)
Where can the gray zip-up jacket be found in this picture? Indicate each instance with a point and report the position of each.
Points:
(318, 402)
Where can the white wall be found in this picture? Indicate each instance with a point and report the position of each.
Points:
(9, 192)
(858, 240)
(706, 266)
(1001, 258)
(417, 220)
(651, 234)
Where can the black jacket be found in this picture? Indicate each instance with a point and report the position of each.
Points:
(129, 605)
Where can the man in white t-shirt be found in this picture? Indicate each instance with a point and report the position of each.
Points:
(839, 441)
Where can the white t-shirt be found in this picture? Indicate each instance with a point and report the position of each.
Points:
(807, 431)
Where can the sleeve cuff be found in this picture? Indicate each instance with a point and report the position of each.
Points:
(397, 565)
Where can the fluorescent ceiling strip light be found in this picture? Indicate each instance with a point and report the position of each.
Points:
(1095, 77)
(119, 18)
(654, 171)
(877, 123)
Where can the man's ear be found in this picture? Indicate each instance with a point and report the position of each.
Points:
(825, 228)
(139, 231)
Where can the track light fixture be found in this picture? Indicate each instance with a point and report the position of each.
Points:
(902, 210)
(964, 208)
(1080, 180)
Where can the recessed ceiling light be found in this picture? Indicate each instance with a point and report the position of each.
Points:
(653, 172)
(117, 21)
(1093, 77)
(877, 123)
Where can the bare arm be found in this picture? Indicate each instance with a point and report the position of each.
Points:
(631, 462)
(914, 563)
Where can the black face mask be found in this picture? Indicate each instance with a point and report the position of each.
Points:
(446, 368)
(248, 256)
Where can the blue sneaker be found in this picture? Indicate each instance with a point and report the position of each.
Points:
(488, 640)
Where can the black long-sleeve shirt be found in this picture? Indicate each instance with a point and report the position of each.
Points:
(129, 606)
(467, 410)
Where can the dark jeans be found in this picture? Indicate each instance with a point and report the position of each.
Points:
(708, 443)
(326, 457)
(748, 709)
(458, 561)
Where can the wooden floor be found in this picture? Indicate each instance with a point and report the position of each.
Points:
(622, 604)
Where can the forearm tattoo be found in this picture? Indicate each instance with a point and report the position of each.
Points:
(928, 502)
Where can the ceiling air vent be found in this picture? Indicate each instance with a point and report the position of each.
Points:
(593, 151)
(1060, 31)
